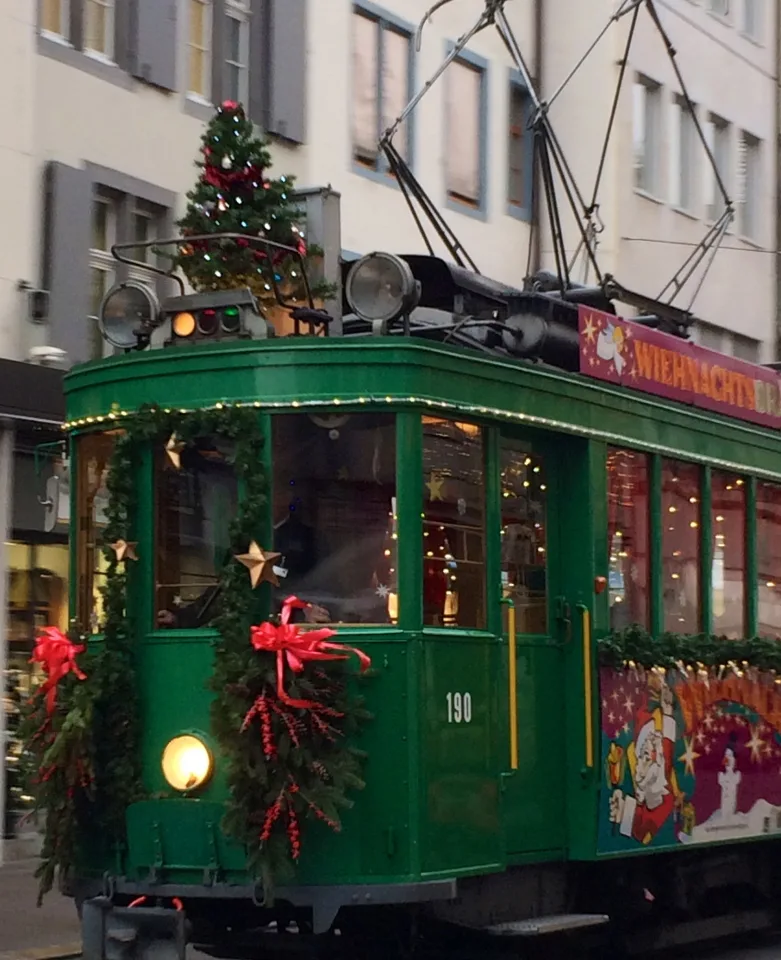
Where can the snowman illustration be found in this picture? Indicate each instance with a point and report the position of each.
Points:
(729, 780)
(610, 346)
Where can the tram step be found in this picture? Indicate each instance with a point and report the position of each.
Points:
(558, 923)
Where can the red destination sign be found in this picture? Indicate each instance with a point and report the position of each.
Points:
(637, 357)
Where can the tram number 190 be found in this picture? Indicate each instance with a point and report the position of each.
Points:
(459, 707)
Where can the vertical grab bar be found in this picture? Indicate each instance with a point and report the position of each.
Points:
(512, 672)
(588, 687)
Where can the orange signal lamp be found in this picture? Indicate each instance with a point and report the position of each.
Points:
(183, 325)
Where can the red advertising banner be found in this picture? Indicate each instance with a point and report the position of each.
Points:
(639, 358)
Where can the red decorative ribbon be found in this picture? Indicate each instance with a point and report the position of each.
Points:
(58, 655)
(296, 647)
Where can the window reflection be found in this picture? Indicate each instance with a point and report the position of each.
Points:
(681, 546)
(769, 558)
(335, 522)
(524, 549)
(453, 524)
(728, 553)
(627, 499)
(93, 453)
(195, 506)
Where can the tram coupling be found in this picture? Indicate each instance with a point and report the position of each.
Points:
(143, 930)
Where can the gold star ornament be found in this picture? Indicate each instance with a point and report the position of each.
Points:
(174, 449)
(125, 550)
(435, 485)
(260, 564)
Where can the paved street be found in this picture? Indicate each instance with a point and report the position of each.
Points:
(23, 927)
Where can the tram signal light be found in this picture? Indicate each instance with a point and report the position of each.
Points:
(221, 315)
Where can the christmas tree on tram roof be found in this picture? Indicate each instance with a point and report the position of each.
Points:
(235, 194)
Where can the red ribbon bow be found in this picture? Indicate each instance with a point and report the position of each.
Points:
(296, 647)
(58, 655)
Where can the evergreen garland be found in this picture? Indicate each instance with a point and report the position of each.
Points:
(636, 646)
(283, 766)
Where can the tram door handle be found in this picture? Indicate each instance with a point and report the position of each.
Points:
(564, 619)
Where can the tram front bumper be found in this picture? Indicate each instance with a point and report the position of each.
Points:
(132, 933)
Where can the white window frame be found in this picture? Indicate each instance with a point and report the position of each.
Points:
(102, 259)
(751, 24)
(63, 36)
(239, 11)
(748, 186)
(651, 165)
(108, 53)
(718, 133)
(204, 46)
(719, 8)
(683, 156)
(141, 209)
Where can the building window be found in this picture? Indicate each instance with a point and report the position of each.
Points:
(54, 17)
(749, 173)
(382, 69)
(198, 48)
(728, 554)
(465, 121)
(646, 123)
(93, 453)
(719, 7)
(102, 265)
(335, 519)
(236, 52)
(524, 506)
(683, 164)
(745, 348)
(769, 558)
(453, 524)
(752, 18)
(717, 136)
(628, 542)
(99, 27)
(681, 546)
(195, 506)
(520, 151)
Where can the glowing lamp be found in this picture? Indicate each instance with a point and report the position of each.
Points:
(183, 325)
(187, 763)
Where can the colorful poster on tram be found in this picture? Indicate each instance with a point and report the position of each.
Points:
(688, 760)
(640, 358)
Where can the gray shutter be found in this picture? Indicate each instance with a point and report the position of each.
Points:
(155, 45)
(286, 69)
(66, 257)
(218, 50)
(257, 108)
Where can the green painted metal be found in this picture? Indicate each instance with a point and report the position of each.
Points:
(752, 560)
(655, 535)
(706, 551)
(438, 800)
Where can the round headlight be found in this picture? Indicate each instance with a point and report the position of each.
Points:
(128, 312)
(183, 325)
(381, 287)
(187, 762)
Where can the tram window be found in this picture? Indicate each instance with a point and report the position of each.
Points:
(524, 535)
(728, 554)
(93, 453)
(627, 521)
(195, 506)
(769, 558)
(335, 521)
(453, 524)
(681, 546)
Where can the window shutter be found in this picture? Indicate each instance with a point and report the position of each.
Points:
(66, 257)
(286, 69)
(742, 170)
(155, 46)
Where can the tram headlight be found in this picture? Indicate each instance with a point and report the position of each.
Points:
(381, 287)
(129, 313)
(187, 762)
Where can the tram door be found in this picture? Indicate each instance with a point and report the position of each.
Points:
(533, 479)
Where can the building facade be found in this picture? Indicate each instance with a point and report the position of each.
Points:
(106, 102)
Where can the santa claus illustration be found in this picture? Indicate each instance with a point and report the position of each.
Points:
(651, 759)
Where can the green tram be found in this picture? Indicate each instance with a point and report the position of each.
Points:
(474, 485)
